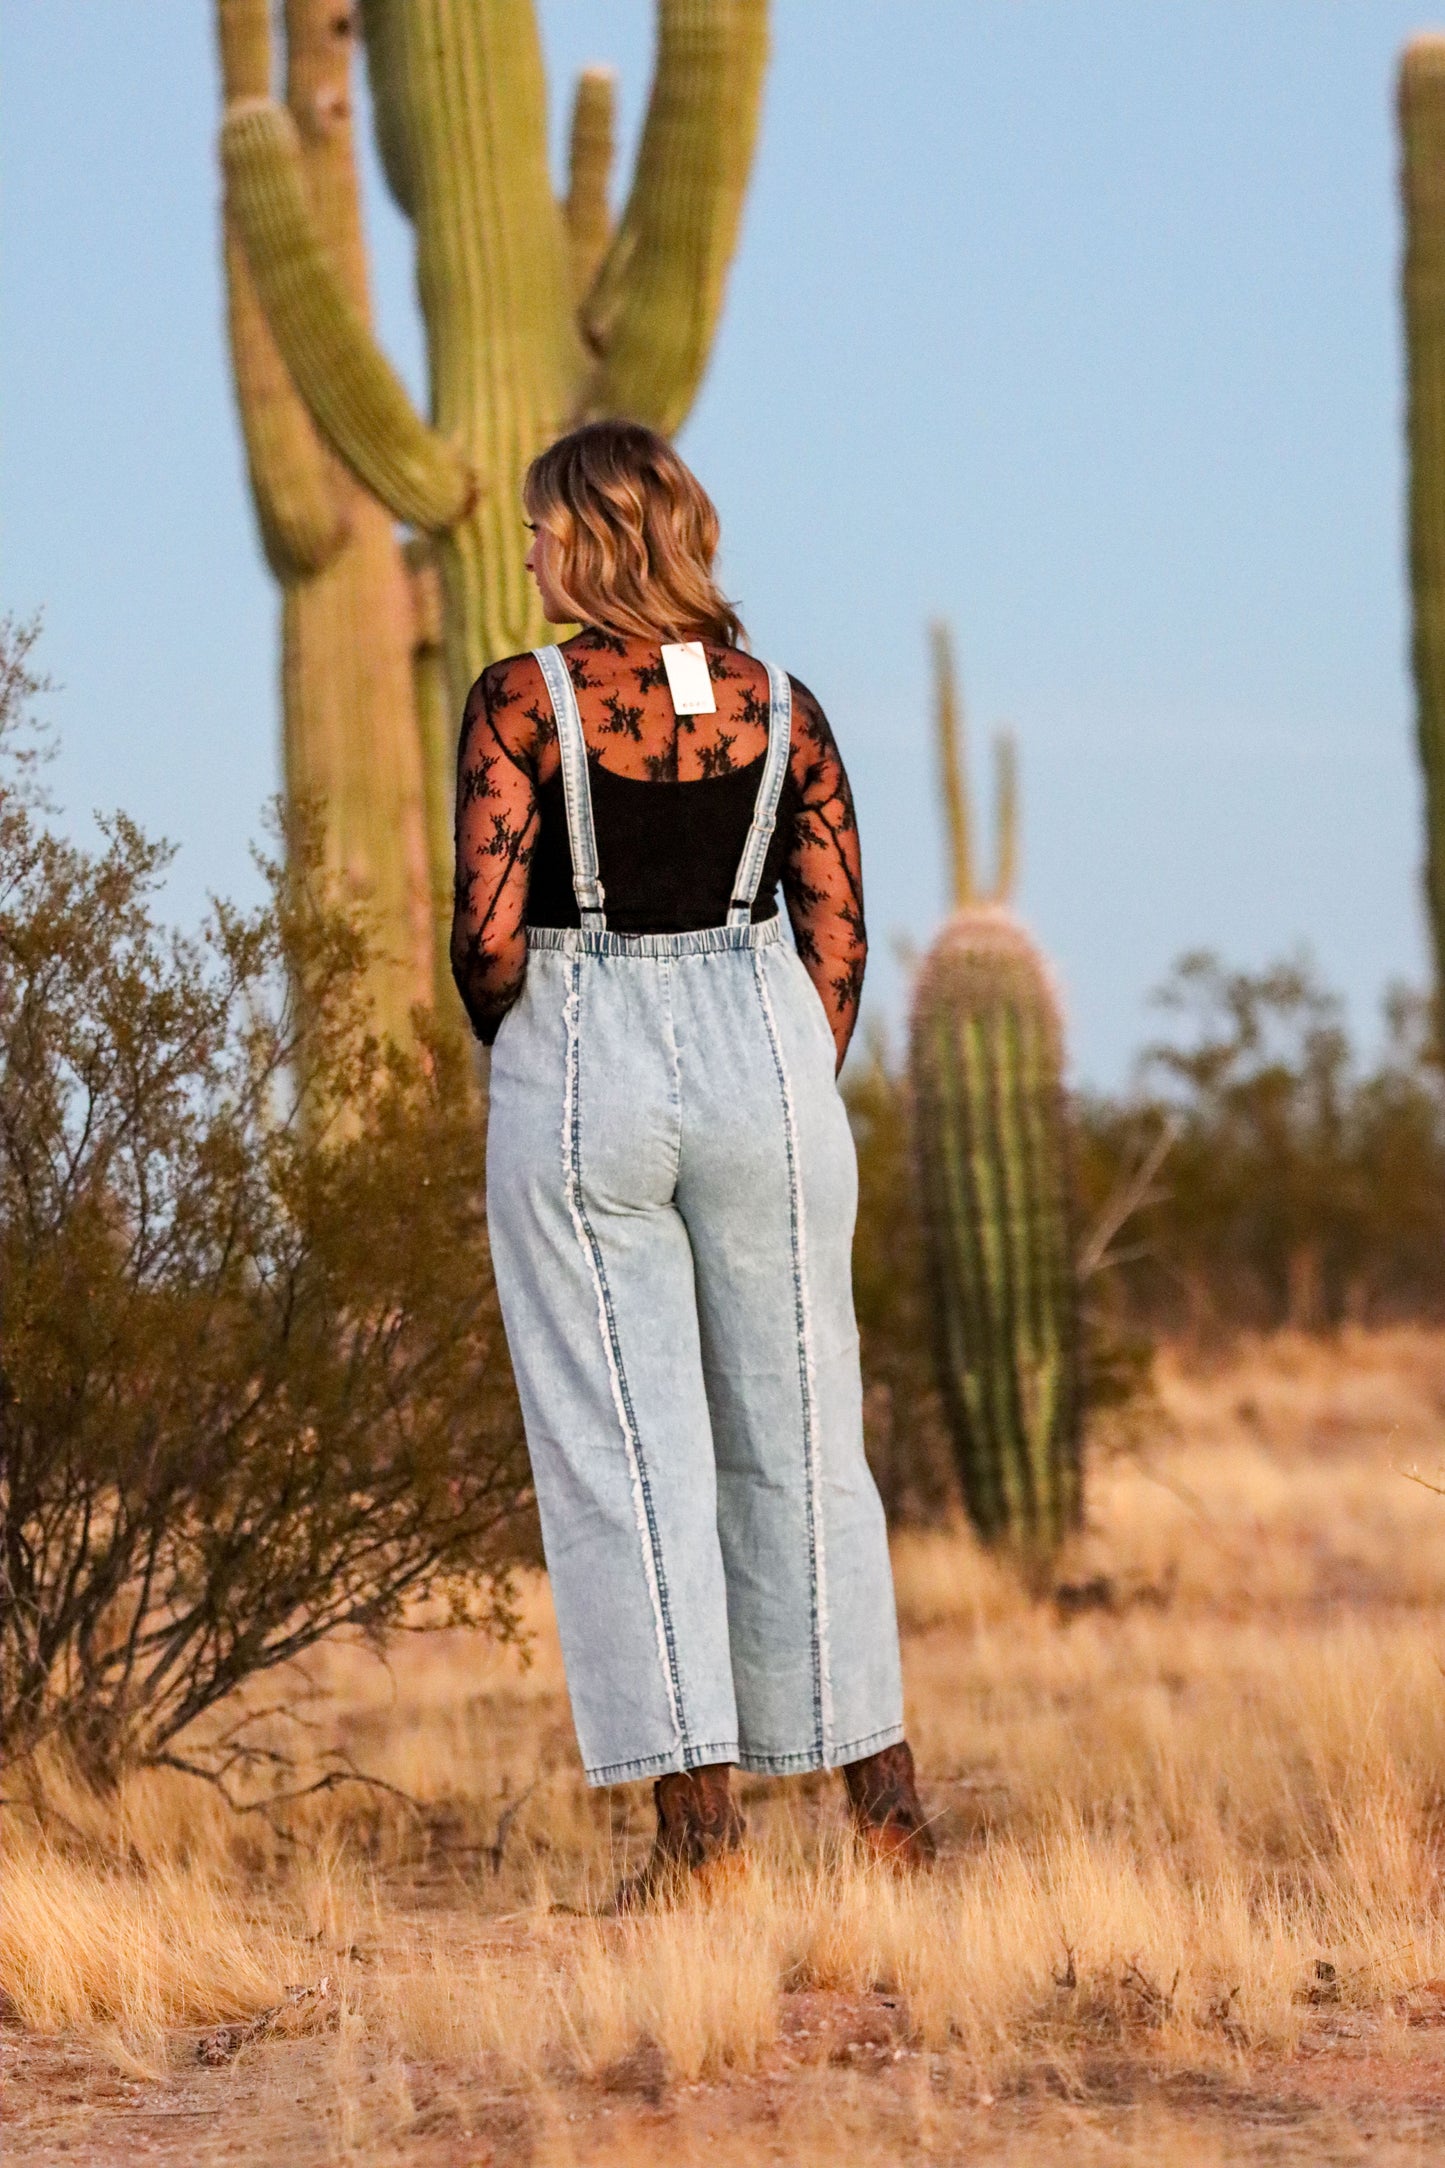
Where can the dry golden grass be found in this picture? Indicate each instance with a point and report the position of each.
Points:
(1191, 1820)
(82, 1943)
(703, 1987)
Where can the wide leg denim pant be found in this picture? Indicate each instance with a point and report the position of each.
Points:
(671, 1195)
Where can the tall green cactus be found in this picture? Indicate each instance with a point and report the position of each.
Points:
(538, 313)
(349, 737)
(986, 1064)
(1422, 132)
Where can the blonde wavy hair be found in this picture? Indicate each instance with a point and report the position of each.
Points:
(635, 533)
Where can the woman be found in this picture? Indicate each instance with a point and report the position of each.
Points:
(670, 1177)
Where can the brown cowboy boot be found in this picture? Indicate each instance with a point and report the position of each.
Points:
(700, 1830)
(888, 1816)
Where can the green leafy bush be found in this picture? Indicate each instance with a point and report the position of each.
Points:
(253, 1386)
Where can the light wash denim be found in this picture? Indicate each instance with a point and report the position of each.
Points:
(671, 1191)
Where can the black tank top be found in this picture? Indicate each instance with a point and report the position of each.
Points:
(667, 852)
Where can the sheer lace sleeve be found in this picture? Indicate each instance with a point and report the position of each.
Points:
(822, 875)
(506, 720)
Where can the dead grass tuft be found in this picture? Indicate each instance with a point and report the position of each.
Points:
(83, 1944)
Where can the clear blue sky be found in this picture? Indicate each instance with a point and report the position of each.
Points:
(1073, 319)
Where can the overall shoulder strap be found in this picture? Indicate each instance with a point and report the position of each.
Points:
(770, 789)
(576, 789)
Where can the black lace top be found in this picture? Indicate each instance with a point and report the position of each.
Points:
(672, 797)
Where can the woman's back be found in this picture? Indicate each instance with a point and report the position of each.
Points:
(672, 798)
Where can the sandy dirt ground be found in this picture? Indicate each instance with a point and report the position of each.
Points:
(839, 2086)
(1188, 1907)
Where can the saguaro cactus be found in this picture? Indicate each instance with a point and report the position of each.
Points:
(349, 738)
(1422, 132)
(986, 1063)
(537, 312)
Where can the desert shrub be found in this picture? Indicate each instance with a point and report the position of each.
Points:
(1300, 1187)
(253, 1386)
(906, 1433)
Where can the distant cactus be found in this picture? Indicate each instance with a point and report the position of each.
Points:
(986, 1064)
(349, 737)
(538, 313)
(1422, 132)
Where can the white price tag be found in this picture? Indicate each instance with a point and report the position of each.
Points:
(687, 678)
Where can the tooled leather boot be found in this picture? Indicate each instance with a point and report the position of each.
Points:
(700, 1831)
(888, 1816)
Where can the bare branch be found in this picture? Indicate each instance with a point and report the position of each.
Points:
(1131, 1196)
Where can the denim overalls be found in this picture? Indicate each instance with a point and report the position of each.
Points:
(671, 1188)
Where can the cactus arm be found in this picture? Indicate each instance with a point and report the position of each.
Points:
(301, 521)
(1006, 817)
(653, 311)
(302, 525)
(355, 397)
(586, 210)
(948, 720)
(1422, 131)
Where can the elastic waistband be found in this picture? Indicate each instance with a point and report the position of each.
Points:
(709, 941)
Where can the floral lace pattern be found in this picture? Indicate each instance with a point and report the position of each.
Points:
(508, 753)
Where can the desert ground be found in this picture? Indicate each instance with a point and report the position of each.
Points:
(1191, 1813)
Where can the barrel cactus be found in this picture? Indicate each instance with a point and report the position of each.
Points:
(1422, 131)
(986, 1067)
(539, 312)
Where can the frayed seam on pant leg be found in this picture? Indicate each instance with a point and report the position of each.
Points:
(591, 1252)
(807, 1371)
(664, 1765)
(810, 1758)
